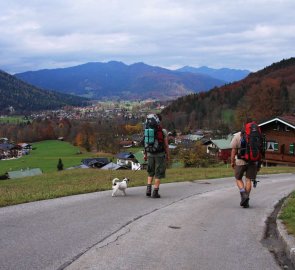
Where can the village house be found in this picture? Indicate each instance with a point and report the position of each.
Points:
(95, 162)
(219, 148)
(9, 150)
(125, 159)
(280, 140)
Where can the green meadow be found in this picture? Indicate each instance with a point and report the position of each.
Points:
(45, 156)
(12, 119)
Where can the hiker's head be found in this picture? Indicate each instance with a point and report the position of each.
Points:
(153, 117)
(249, 119)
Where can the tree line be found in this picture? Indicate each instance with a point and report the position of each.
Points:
(99, 135)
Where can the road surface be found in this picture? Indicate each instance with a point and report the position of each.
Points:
(195, 225)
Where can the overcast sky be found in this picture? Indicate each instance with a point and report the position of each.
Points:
(249, 34)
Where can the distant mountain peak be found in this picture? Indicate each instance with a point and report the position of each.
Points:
(225, 74)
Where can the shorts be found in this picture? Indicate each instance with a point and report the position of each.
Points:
(156, 166)
(250, 169)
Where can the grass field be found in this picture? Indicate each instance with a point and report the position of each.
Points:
(78, 181)
(288, 214)
(12, 119)
(45, 156)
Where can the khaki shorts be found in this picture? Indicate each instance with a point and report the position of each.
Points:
(250, 169)
(156, 166)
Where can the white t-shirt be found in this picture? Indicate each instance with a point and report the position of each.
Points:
(236, 143)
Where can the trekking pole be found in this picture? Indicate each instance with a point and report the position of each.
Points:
(255, 182)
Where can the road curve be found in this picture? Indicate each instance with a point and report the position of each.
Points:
(195, 225)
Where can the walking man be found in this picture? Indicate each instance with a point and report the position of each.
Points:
(246, 154)
(156, 153)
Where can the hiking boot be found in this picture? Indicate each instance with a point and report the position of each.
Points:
(246, 204)
(244, 199)
(149, 190)
(156, 193)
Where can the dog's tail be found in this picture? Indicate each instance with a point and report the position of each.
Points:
(115, 180)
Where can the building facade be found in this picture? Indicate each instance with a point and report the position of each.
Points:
(280, 140)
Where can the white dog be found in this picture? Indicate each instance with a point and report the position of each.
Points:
(119, 185)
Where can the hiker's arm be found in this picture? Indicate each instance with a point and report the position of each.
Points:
(233, 156)
(167, 148)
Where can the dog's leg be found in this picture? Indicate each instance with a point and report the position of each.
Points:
(124, 192)
(114, 191)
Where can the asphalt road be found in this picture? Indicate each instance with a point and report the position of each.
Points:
(195, 225)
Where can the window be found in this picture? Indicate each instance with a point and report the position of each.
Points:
(272, 146)
(291, 149)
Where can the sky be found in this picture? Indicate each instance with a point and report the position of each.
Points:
(46, 34)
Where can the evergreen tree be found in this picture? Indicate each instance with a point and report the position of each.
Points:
(60, 165)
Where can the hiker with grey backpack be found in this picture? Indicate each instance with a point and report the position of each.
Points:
(156, 152)
(246, 156)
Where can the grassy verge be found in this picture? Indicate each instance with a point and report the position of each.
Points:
(288, 214)
(70, 182)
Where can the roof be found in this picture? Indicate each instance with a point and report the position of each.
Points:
(23, 145)
(82, 166)
(223, 143)
(140, 157)
(95, 161)
(6, 146)
(288, 120)
(192, 137)
(111, 166)
(125, 155)
(24, 173)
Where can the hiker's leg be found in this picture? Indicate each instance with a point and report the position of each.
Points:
(160, 170)
(240, 184)
(157, 183)
(151, 168)
(149, 180)
(151, 174)
(239, 173)
(159, 173)
(251, 173)
(248, 185)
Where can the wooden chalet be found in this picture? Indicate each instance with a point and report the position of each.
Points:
(219, 148)
(280, 140)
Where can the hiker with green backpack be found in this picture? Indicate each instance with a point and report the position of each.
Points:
(156, 152)
(246, 156)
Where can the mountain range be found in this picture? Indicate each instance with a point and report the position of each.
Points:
(116, 80)
(24, 98)
(225, 74)
(262, 95)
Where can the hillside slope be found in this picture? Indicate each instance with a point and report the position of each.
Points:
(116, 80)
(261, 95)
(24, 97)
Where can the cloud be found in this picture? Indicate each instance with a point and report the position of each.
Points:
(244, 34)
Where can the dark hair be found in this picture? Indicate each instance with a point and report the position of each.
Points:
(249, 120)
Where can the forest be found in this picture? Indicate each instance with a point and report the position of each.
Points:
(24, 98)
(262, 95)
